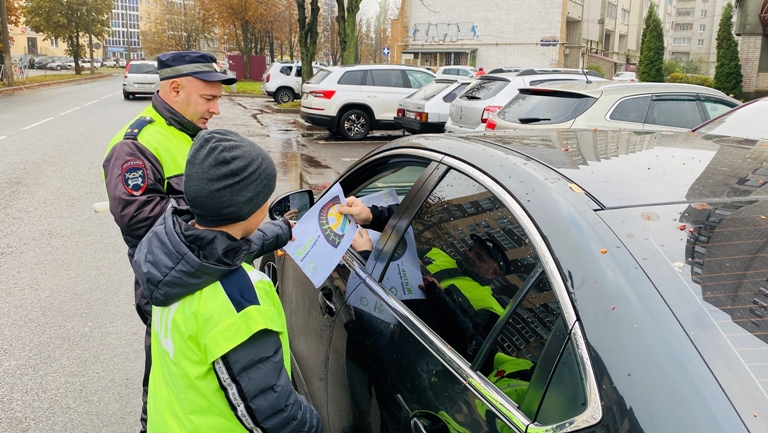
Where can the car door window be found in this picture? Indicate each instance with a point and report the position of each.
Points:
(465, 73)
(679, 111)
(298, 71)
(418, 79)
(387, 78)
(716, 106)
(631, 109)
(352, 78)
(478, 262)
(286, 70)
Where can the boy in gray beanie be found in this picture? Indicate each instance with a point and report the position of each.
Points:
(221, 361)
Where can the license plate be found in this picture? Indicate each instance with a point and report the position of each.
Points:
(145, 85)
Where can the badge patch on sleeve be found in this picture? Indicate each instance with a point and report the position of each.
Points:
(134, 176)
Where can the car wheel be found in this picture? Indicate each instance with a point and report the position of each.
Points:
(284, 96)
(354, 125)
(126, 96)
(58, 68)
(269, 267)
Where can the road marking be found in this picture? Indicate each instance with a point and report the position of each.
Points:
(108, 96)
(349, 159)
(38, 123)
(116, 93)
(69, 111)
(92, 102)
(3, 137)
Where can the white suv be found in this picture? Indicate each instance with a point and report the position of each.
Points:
(283, 81)
(352, 100)
(488, 93)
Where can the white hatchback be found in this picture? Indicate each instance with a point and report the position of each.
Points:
(352, 100)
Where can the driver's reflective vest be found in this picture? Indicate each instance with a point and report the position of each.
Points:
(447, 272)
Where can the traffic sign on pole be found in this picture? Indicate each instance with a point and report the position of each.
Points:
(385, 51)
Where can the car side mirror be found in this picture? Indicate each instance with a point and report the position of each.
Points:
(292, 205)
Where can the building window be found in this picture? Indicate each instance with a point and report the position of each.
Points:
(54, 43)
(611, 10)
(681, 41)
(683, 26)
(703, 13)
(684, 12)
(624, 15)
(702, 28)
(700, 43)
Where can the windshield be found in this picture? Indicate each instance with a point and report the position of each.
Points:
(746, 121)
(545, 108)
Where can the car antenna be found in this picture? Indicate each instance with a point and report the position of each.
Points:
(584, 71)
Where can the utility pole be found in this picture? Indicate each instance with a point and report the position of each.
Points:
(7, 67)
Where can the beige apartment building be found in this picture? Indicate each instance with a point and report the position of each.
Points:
(555, 33)
(25, 41)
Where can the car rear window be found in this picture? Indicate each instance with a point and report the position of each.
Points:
(455, 92)
(545, 108)
(429, 91)
(142, 68)
(748, 122)
(319, 76)
(483, 89)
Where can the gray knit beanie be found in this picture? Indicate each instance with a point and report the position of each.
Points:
(228, 178)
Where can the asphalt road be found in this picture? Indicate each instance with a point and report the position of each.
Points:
(71, 350)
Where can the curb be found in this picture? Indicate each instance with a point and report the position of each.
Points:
(305, 126)
(15, 89)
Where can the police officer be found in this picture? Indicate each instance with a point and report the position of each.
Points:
(144, 163)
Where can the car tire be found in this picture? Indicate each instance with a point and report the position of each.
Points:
(268, 266)
(354, 125)
(284, 96)
(58, 68)
(126, 96)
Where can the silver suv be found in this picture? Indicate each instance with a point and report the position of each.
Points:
(140, 78)
(283, 81)
(488, 93)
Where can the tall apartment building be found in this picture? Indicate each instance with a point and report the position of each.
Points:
(124, 40)
(692, 34)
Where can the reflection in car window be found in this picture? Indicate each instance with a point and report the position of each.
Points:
(631, 109)
(482, 261)
(418, 79)
(676, 111)
(746, 121)
(319, 76)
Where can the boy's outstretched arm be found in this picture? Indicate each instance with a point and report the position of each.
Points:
(271, 236)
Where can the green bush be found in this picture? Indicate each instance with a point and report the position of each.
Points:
(701, 80)
(596, 68)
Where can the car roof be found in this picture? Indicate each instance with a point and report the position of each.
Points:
(379, 66)
(597, 88)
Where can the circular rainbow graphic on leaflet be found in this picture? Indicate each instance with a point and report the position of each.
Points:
(333, 224)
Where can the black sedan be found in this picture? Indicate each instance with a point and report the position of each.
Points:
(597, 281)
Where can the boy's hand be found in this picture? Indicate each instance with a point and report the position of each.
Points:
(362, 241)
(357, 210)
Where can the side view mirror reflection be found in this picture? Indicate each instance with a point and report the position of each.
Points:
(292, 205)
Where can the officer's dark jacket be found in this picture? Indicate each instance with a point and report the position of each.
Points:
(135, 214)
(175, 260)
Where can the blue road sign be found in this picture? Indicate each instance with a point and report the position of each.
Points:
(385, 50)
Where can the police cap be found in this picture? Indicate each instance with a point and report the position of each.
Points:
(175, 64)
(495, 250)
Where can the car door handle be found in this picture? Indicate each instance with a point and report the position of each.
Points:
(327, 307)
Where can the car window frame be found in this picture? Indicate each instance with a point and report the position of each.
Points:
(680, 96)
(487, 392)
(624, 99)
(703, 98)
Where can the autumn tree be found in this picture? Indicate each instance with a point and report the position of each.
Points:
(651, 64)
(346, 18)
(308, 11)
(728, 76)
(70, 21)
(13, 15)
(177, 26)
